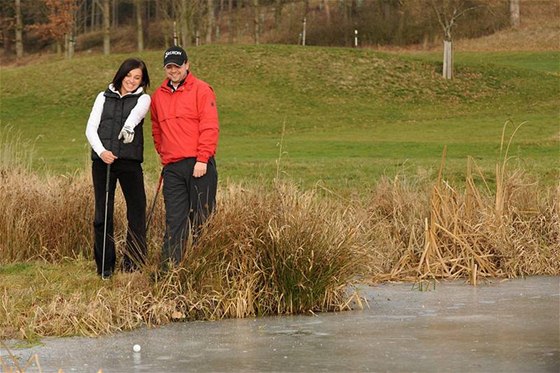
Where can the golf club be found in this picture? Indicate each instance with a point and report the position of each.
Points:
(105, 222)
(152, 208)
(154, 202)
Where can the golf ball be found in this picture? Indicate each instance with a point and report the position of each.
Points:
(136, 348)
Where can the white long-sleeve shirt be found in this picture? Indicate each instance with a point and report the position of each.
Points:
(136, 115)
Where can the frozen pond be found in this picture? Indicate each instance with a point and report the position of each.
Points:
(500, 326)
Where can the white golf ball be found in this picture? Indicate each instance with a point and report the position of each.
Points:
(136, 348)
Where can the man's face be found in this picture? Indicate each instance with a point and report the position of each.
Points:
(176, 73)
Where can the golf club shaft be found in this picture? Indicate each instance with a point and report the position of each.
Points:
(152, 208)
(105, 220)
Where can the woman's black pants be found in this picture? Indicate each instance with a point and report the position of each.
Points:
(131, 179)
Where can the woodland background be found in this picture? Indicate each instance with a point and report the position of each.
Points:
(68, 26)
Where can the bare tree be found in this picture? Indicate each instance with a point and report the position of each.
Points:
(210, 22)
(19, 30)
(6, 24)
(278, 4)
(185, 15)
(106, 27)
(92, 16)
(184, 22)
(448, 11)
(139, 27)
(232, 22)
(514, 13)
(327, 11)
(256, 23)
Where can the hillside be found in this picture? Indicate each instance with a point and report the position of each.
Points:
(363, 112)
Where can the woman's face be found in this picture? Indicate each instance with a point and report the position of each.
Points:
(131, 81)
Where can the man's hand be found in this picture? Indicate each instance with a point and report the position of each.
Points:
(127, 135)
(199, 169)
(108, 157)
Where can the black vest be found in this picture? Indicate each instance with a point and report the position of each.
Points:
(115, 111)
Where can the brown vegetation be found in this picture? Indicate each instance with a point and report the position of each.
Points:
(539, 31)
(266, 251)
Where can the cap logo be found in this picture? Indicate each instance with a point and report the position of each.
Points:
(177, 53)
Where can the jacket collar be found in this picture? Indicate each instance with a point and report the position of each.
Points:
(138, 91)
(187, 84)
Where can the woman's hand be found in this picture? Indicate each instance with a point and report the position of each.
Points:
(108, 157)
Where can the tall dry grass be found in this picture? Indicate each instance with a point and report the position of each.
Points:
(276, 251)
(266, 250)
(43, 217)
(471, 231)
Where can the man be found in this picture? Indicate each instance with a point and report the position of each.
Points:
(185, 130)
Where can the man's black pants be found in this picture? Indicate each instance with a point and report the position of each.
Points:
(131, 179)
(188, 203)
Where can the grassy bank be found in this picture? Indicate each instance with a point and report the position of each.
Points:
(344, 116)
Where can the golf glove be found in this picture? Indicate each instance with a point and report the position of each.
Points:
(127, 135)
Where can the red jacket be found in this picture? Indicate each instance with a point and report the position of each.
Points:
(185, 122)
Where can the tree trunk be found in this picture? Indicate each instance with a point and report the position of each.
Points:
(231, 23)
(162, 15)
(6, 33)
(92, 23)
(139, 27)
(277, 14)
(184, 23)
(19, 31)
(256, 30)
(327, 11)
(69, 45)
(115, 14)
(304, 32)
(106, 27)
(210, 26)
(447, 59)
(514, 13)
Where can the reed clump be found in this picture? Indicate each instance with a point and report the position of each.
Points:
(274, 252)
(471, 232)
(43, 217)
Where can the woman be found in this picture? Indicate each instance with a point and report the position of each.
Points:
(114, 131)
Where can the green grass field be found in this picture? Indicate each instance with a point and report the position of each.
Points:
(335, 116)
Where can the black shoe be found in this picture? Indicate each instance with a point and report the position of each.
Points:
(107, 274)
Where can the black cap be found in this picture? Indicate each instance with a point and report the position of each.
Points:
(175, 55)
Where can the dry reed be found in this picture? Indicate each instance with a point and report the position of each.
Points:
(470, 233)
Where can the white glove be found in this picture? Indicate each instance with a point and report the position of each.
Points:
(127, 135)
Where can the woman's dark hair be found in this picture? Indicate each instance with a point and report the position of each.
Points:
(128, 65)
